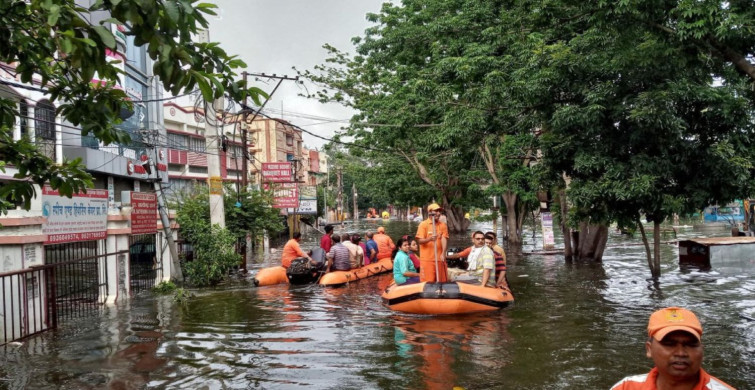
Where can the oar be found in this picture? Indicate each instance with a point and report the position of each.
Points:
(435, 251)
(306, 221)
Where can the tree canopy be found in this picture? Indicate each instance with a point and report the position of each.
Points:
(59, 46)
(642, 107)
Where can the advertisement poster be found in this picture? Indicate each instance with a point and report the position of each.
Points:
(143, 213)
(80, 218)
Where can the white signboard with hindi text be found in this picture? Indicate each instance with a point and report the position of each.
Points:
(82, 217)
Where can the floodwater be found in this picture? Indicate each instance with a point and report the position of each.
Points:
(572, 326)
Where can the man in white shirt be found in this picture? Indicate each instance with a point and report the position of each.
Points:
(481, 262)
(356, 254)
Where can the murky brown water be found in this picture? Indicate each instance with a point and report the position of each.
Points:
(573, 326)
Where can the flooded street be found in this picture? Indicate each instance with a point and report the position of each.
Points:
(572, 326)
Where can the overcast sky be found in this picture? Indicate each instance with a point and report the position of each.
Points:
(272, 36)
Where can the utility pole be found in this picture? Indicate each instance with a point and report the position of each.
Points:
(214, 144)
(339, 201)
(162, 209)
(354, 192)
(325, 191)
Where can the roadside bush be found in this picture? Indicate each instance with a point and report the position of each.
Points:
(214, 256)
(164, 288)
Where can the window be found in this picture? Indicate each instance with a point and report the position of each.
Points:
(136, 56)
(197, 144)
(177, 141)
(289, 140)
(44, 120)
(23, 112)
(193, 169)
(235, 151)
(44, 124)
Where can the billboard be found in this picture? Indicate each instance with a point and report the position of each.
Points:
(286, 194)
(279, 172)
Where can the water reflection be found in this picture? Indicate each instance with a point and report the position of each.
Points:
(435, 349)
(573, 325)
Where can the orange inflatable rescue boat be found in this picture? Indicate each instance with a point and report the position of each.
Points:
(337, 278)
(445, 298)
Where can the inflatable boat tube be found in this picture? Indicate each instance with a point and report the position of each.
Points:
(445, 298)
(270, 276)
(337, 278)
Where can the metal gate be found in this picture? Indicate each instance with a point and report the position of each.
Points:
(78, 278)
(145, 261)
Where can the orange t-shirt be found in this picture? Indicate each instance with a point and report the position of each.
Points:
(425, 230)
(385, 245)
(290, 252)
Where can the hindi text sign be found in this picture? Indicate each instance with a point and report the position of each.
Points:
(83, 217)
(279, 172)
(143, 213)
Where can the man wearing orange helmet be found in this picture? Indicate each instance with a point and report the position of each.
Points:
(432, 236)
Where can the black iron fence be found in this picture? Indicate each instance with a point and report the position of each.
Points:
(146, 262)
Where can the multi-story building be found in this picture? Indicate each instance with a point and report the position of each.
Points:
(188, 149)
(275, 140)
(101, 244)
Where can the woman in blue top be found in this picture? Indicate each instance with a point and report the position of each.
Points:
(403, 269)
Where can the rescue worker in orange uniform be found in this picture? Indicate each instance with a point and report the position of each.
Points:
(432, 244)
(385, 244)
(675, 345)
(292, 250)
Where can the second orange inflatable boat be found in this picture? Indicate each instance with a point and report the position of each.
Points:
(337, 278)
(445, 298)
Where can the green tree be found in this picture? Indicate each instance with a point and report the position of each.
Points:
(213, 247)
(63, 44)
(253, 214)
(640, 125)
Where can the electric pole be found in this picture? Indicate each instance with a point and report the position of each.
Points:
(214, 145)
(175, 269)
(354, 192)
(339, 201)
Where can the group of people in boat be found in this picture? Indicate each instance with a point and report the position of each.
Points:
(415, 259)
(486, 260)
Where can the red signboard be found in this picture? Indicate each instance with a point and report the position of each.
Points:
(286, 194)
(279, 172)
(143, 213)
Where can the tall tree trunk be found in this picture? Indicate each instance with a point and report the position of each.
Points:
(653, 271)
(514, 233)
(656, 247)
(592, 241)
(565, 230)
(455, 217)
